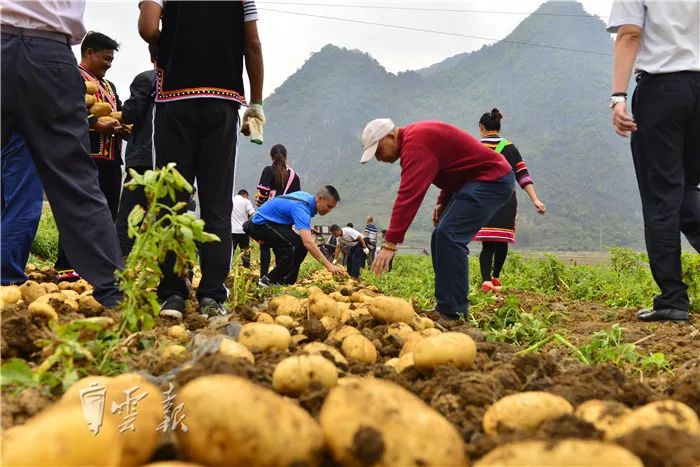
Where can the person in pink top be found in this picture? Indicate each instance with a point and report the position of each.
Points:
(474, 183)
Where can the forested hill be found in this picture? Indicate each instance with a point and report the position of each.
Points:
(555, 106)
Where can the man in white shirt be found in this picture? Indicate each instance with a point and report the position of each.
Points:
(356, 246)
(660, 40)
(43, 100)
(242, 211)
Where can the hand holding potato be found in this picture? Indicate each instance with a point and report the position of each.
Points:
(336, 271)
(106, 127)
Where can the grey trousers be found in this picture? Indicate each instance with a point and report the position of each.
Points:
(43, 100)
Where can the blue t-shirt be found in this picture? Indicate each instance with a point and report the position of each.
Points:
(292, 209)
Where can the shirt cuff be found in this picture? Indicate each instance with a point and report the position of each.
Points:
(615, 24)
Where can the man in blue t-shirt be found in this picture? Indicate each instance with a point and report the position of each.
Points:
(274, 223)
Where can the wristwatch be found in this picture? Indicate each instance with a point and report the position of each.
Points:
(617, 98)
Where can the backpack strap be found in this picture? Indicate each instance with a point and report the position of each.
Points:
(501, 146)
(292, 174)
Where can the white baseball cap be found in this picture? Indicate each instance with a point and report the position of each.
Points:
(373, 132)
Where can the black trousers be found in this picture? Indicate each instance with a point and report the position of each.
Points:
(241, 241)
(355, 260)
(492, 258)
(129, 199)
(288, 248)
(109, 175)
(265, 259)
(199, 135)
(43, 99)
(666, 153)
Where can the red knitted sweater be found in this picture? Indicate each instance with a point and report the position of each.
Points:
(441, 154)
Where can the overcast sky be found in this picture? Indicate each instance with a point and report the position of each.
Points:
(289, 39)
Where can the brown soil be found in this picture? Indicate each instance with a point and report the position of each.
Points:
(462, 397)
(663, 446)
(21, 333)
(18, 407)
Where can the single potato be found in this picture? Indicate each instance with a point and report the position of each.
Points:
(321, 305)
(232, 421)
(139, 444)
(60, 434)
(666, 412)
(293, 375)
(524, 411)
(101, 109)
(325, 350)
(569, 452)
(369, 421)
(449, 348)
(358, 347)
(262, 336)
(391, 310)
(90, 87)
(603, 414)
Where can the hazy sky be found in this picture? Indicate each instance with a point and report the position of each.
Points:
(289, 39)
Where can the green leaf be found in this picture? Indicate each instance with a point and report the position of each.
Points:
(69, 379)
(16, 371)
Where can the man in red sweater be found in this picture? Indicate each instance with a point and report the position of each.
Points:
(474, 182)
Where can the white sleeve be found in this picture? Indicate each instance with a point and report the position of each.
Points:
(157, 2)
(249, 208)
(250, 11)
(626, 12)
(354, 234)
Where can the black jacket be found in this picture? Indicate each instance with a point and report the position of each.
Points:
(138, 109)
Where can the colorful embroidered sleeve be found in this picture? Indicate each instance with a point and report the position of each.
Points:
(522, 175)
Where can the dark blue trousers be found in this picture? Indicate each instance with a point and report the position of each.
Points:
(21, 209)
(43, 99)
(468, 211)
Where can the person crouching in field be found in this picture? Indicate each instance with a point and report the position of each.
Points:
(475, 182)
(273, 225)
(354, 242)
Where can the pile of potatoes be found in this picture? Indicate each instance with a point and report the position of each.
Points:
(362, 420)
(101, 110)
(46, 299)
(524, 412)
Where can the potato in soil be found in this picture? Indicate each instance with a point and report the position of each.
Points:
(569, 452)
(232, 421)
(294, 375)
(666, 412)
(139, 445)
(524, 411)
(358, 347)
(449, 348)
(391, 309)
(264, 336)
(602, 414)
(374, 422)
(59, 434)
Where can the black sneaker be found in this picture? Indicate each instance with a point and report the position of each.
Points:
(173, 307)
(264, 282)
(665, 314)
(210, 308)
